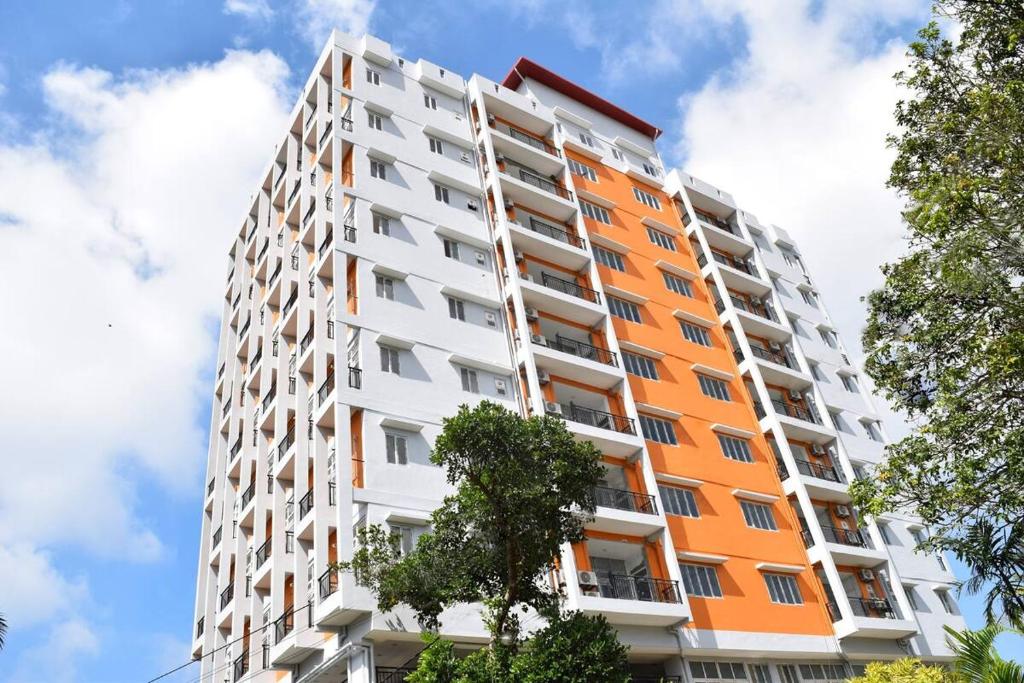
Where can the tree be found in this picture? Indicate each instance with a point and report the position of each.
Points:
(3, 630)
(976, 658)
(523, 488)
(906, 670)
(945, 335)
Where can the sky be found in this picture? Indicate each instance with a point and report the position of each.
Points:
(131, 138)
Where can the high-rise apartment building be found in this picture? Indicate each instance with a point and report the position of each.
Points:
(420, 241)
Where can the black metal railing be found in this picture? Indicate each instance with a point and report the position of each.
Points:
(289, 542)
(263, 553)
(245, 327)
(542, 183)
(307, 339)
(220, 370)
(350, 233)
(879, 608)
(285, 443)
(772, 356)
(346, 124)
(305, 504)
(583, 350)
(284, 625)
(355, 378)
(851, 537)
(714, 221)
(263, 250)
(235, 448)
(624, 587)
(621, 499)
(290, 303)
(598, 418)
(217, 536)
(248, 495)
(548, 230)
(327, 133)
(241, 665)
(569, 287)
(312, 115)
(731, 262)
(531, 140)
(256, 358)
(309, 213)
(325, 389)
(818, 470)
(227, 595)
(795, 411)
(275, 274)
(238, 298)
(387, 674)
(200, 626)
(293, 194)
(655, 679)
(328, 583)
(255, 225)
(269, 398)
(760, 310)
(325, 245)
(209, 487)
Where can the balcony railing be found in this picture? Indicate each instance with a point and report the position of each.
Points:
(540, 182)
(624, 587)
(263, 250)
(531, 140)
(598, 418)
(760, 310)
(327, 134)
(227, 595)
(269, 398)
(346, 124)
(332, 493)
(325, 389)
(285, 443)
(220, 370)
(583, 350)
(818, 471)
(305, 504)
(312, 115)
(621, 499)
(290, 303)
(392, 674)
(569, 287)
(309, 214)
(548, 230)
(217, 536)
(350, 233)
(200, 626)
(851, 537)
(770, 355)
(284, 625)
(241, 665)
(715, 221)
(328, 584)
(256, 358)
(795, 411)
(325, 245)
(263, 553)
(307, 339)
(655, 679)
(245, 327)
(730, 261)
(209, 487)
(235, 448)
(879, 608)
(248, 495)
(355, 378)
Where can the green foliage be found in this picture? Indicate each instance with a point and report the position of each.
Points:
(3, 630)
(945, 336)
(906, 670)
(977, 660)
(524, 487)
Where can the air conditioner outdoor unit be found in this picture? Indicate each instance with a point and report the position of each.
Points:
(543, 377)
(481, 258)
(531, 313)
(794, 395)
(539, 339)
(509, 204)
(552, 407)
(499, 158)
(491, 319)
(592, 593)
(842, 511)
(586, 578)
(817, 449)
(465, 157)
(472, 206)
(526, 276)
(867, 575)
(774, 346)
(518, 256)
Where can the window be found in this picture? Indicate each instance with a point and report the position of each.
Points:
(677, 284)
(947, 602)
(626, 310)
(609, 258)
(402, 536)
(661, 239)
(397, 452)
(586, 140)
(583, 170)
(735, 449)
(385, 288)
(678, 501)
(656, 429)
(918, 534)
(871, 428)
(430, 102)
(758, 516)
(827, 673)
(718, 671)
(816, 372)
(829, 337)
(809, 298)
(782, 589)
(788, 673)
(469, 381)
(651, 170)
(646, 198)
(616, 154)
(456, 309)
(435, 145)
(942, 563)
(381, 225)
(375, 120)
(372, 77)
(713, 387)
(441, 193)
(378, 169)
(850, 382)
(883, 531)
(641, 366)
(389, 360)
(451, 249)
(700, 581)
(911, 597)
(598, 213)
(695, 333)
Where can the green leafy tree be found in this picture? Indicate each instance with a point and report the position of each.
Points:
(945, 335)
(976, 658)
(572, 649)
(906, 670)
(524, 487)
(3, 630)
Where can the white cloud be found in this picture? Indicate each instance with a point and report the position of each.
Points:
(259, 10)
(114, 236)
(54, 660)
(317, 18)
(796, 131)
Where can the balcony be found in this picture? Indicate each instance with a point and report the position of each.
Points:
(325, 390)
(556, 242)
(327, 584)
(851, 547)
(561, 297)
(284, 625)
(327, 133)
(263, 553)
(227, 595)
(719, 233)
(620, 511)
(853, 537)
(289, 304)
(621, 499)
(574, 359)
(200, 626)
(306, 340)
(525, 147)
(524, 186)
(240, 666)
(571, 288)
(777, 366)
(326, 244)
(285, 444)
(236, 448)
(305, 504)
(215, 541)
(796, 412)
(623, 588)
(248, 495)
(311, 117)
(595, 418)
(646, 589)
(263, 250)
(875, 618)
(802, 424)
(387, 674)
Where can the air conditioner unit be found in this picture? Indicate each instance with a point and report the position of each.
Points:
(774, 346)
(518, 256)
(794, 395)
(490, 118)
(500, 387)
(592, 593)
(531, 313)
(499, 158)
(586, 578)
(842, 511)
(817, 449)
(552, 407)
(491, 319)
(543, 377)
(481, 258)
(465, 157)
(472, 206)
(755, 301)
(526, 276)
(509, 204)
(539, 339)
(867, 575)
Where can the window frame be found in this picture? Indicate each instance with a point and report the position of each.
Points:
(712, 387)
(661, 430)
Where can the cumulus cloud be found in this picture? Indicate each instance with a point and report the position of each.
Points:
(317, 18)
(116, 220)
(55, 659)
(250, 9)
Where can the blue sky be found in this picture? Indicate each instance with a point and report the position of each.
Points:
(131, 135)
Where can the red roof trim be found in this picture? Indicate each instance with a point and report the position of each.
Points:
(525, 68)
